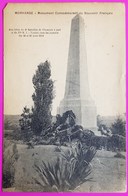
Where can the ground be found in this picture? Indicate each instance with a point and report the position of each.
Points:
(108, 172)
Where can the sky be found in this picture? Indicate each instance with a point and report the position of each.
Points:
(105, 46)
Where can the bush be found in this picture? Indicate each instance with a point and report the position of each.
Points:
(118, 142)
(69, 171)
(119, 127)
(25, 121)
(119, 155)
(9, 167)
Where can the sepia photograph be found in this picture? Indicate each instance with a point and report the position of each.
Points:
(64, 98)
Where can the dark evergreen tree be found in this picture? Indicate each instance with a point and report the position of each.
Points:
(25, 121)
(42, 97)
(25, 124)
(118, 127)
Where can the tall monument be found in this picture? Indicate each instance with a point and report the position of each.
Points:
(77, 94)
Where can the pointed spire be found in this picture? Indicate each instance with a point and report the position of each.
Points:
(77, 93)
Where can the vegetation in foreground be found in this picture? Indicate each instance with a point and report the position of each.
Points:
(70, 170)
(9, 163)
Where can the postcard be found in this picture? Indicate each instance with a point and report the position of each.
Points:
(64, 98)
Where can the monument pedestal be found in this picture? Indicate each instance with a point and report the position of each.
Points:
(71, 104)
(85, 111)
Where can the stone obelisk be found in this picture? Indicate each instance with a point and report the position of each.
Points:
(77, 94)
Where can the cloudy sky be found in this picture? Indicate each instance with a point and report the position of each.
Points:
(105, 45)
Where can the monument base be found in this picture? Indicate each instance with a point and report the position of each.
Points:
(85, 111)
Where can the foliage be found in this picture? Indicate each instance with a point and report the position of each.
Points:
(42, 97)
(69, 171)
(11, 122)
(39, 117)
(118, 127)
(30, 145)
(6, 125)
(104, 130)
(118, 142)
(119, 155)
(69, 116)
(64, 129)
(9, 167)
(25, 121)
(111, 143)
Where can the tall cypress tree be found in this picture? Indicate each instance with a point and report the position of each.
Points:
(42, 97)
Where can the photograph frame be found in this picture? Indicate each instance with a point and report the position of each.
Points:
(2, 6)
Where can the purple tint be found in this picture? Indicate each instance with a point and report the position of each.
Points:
(2, 5)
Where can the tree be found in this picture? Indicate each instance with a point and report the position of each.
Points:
(118, 127)
(7, 124)
(25, 124)
(25, 121)
(42, 97)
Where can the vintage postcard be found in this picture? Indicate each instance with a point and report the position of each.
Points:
(64, 97)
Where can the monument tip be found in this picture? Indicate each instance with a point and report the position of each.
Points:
(78, 16)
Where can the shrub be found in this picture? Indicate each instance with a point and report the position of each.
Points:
(70, 170)
(119, 155)
(9, 167)
(119, 127)
(25, 121)
(118, 142)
